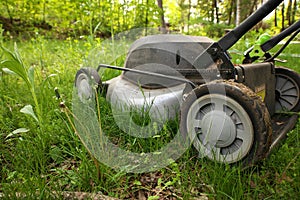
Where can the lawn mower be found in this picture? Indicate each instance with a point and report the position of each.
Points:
(233, 113)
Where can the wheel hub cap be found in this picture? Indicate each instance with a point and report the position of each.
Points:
(219, 129)
(84, 89)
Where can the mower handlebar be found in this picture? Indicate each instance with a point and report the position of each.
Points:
(276, 39)
(233, 36)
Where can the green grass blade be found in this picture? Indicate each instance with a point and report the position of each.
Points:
(29, 111)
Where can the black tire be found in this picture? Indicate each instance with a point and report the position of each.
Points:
(287, 90)
(245, 135)
(87, 81)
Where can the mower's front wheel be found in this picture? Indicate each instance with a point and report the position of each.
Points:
(87, 82)
(227, 122)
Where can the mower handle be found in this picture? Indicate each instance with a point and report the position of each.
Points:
(276, 39)
(217, 50)
(154, 74)
(233, 36)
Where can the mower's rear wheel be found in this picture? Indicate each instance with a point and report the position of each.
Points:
(228, 122)
(87, 82)
(287, 90)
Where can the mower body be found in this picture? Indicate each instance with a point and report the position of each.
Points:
(171, 55)
(174, 55)
(162, 104)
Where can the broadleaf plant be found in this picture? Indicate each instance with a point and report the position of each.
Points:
(14, 63)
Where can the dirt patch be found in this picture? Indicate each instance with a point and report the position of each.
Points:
(18, 26)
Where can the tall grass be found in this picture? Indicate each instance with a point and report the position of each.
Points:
(36, 163)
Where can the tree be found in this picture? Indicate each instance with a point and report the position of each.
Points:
(8, 10)
(163, 27)
(238, 12)
(282, 17)
(82, 17)
(216, 10)
(294, 11)
(275, 18)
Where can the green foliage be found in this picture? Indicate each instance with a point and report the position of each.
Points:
(14, 63)
(104, 18)
(210, 30)
(77, 18)
(215, 30)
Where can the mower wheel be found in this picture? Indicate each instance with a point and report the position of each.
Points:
(287, 90)
(87, 81)
(228, 123)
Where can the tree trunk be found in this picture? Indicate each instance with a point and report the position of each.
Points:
(8, 12)
(253, 7)
(44, 10)
(282, 17)
(230, 12)
(275, 18)
(216, 10)
(189, 16)
(238, 12)
(294, 11)
(289, 12)
(162, 17)
(182, 20)
(147, 13)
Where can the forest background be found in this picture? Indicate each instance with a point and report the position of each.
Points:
(72, 18)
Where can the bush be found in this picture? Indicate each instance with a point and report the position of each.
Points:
(215, 30)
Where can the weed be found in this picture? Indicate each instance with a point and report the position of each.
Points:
(14, 65)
